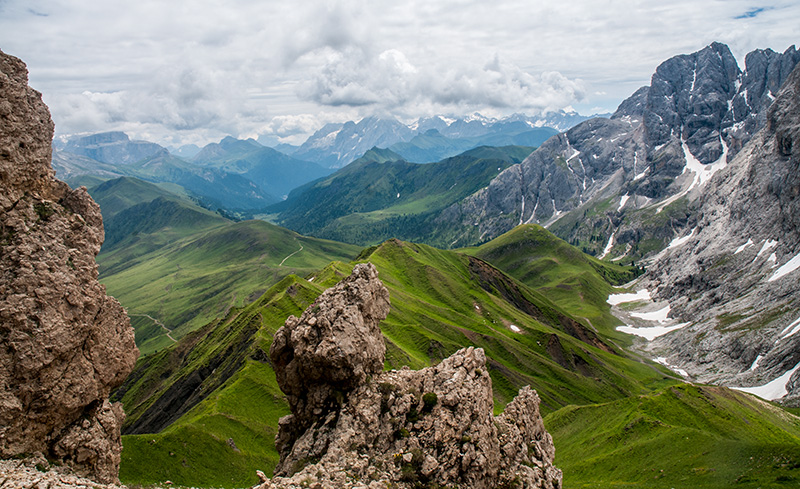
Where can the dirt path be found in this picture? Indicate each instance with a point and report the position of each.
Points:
(291, 255)
(166, 330)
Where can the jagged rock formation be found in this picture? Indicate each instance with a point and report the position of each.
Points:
(400, 428)
(64, 344)
(734, 275)
(661, 144)
(330, 349)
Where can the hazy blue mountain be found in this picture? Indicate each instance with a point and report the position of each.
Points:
(274, 172)
(114, 148)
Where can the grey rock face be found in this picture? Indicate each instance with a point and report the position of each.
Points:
(402, 428)
(64, 344)
(701, 100)
(728, 278)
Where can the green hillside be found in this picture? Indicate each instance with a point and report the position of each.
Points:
(188, 282)
(682, 436)
(148, 215)
(206, 408)
(575, 281)
(376, 198)
(208, 387)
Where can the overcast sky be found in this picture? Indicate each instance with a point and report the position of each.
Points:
(183, 71)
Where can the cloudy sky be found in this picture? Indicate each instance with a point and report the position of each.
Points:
(194, 71)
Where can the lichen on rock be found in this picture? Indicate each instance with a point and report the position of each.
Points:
(64, 344)
(428, 428)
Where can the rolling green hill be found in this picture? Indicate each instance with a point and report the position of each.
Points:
(381, 196)
(577, 282)
(148, 214)
(216, 384)
(186, 283)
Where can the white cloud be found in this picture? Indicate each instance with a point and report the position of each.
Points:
(210, 67)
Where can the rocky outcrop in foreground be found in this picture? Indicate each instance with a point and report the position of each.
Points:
(64, 344)
(353, 426)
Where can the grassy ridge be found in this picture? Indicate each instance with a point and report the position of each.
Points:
(443, 301)
(188, 282)
(577, 282)
(681, 436)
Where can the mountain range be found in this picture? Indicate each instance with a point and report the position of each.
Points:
(428, 139)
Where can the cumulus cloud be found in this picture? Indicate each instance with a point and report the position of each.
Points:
(353, 77)
(208, 68)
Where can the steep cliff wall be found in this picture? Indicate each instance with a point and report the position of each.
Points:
(64, 344)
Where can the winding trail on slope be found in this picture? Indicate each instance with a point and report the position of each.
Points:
(291, 255)
(166, 330)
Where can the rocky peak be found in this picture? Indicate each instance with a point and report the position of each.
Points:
(735, 278)
(114, 148)
(332, 347)
(353, 425)
(688, 98)
(699, 109)
(64, 344)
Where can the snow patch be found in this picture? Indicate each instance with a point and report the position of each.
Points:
(773, 390)
(660, 315)
(741, 248)
(622, 201)
(652, 332)
(755, 363)
(663, 361)
(791, 329)
(789, 267)
(640, 295)
(398, 195)
(768, 245)
(515, 328)
(679, 241)
(702, 173)
(607, 249)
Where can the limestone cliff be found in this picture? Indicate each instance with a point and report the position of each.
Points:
(353, 426)
(64, 344)
(735, 275)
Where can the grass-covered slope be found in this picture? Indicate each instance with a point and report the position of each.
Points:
(216, 383)
(139, 211)
(377, 197)
(681, 436)
(572, 279)
(210, 405)
(186, 283)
